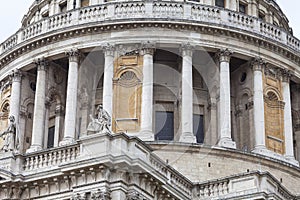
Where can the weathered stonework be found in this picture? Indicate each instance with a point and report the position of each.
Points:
(203, 99)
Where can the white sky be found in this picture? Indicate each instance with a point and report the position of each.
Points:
(12, 11)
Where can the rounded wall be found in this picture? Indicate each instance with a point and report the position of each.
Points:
(200, 163)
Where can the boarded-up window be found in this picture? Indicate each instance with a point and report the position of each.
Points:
(85, 3)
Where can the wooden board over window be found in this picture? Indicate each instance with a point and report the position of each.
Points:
(85, 3)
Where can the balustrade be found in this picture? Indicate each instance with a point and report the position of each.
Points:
(51, 158)
(168, 10)
(172, 177)
(214, 189)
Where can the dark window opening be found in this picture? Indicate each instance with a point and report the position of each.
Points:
(164, 125)
(198, 128)
(242, 8)
(50, 142)
(261, 16)
(220, 3)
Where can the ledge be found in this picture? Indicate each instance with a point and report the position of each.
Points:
(188, 13)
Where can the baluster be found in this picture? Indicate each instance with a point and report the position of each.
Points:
(59, 157)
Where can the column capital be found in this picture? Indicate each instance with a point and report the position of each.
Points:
(224, 55)
(41, 64)
(257, 64)
(16, 75)
(187, 49)
(73, 55)
(108, 49)
(147, 48)
(285, 75)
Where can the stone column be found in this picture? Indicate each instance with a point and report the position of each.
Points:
(288, 126)
(15, 95)
(109, 52)
(147, 94)
(58, 122)
(213, 121)
(187, 134)
(47, 107)
(39, 107)
(224, 125)
(258, 106)
(71, 102)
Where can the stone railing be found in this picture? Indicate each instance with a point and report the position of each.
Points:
(153, 10)
(214, 189)
(51, 158)
(173, 178)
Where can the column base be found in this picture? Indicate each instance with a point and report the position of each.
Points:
(227, 143)
(262, 150)
(146, 135)
(188, 138)
(34, 148)
(66, 141)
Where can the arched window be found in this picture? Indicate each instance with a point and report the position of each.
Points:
(274, 122)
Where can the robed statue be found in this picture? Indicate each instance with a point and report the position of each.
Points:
(10, 136)
(101, 123)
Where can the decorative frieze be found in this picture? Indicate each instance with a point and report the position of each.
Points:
(100, 194)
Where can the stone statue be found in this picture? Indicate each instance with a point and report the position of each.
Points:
(9, 136)
(102, 123)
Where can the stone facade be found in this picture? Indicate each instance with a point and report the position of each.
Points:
(125, 100)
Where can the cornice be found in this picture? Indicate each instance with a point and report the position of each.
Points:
(243, 36)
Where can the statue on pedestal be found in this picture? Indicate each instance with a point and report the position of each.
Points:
(101, 123)
(9, 136)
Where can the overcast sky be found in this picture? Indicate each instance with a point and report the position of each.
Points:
(12, 11)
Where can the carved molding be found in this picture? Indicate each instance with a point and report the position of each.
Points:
(108, 50)
(148, 48)
(100, 195)
(187, 49)
(286, 75)
(73, 55)
(41, 64)
(16, 75)
(258, 64)
(224, 55)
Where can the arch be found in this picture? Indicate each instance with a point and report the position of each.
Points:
(26, 102)
(122, 70)
(272, 90)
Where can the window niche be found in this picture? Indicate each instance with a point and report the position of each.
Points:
(84, 3)
(243, 8)
(220, 3)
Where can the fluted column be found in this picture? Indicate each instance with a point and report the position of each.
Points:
(16, 77)
(258, 106)
(39, 107)
(71, 102)
(147, 94)
(288, 126)
(224, 125)
(109, 52)
(187, 134)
